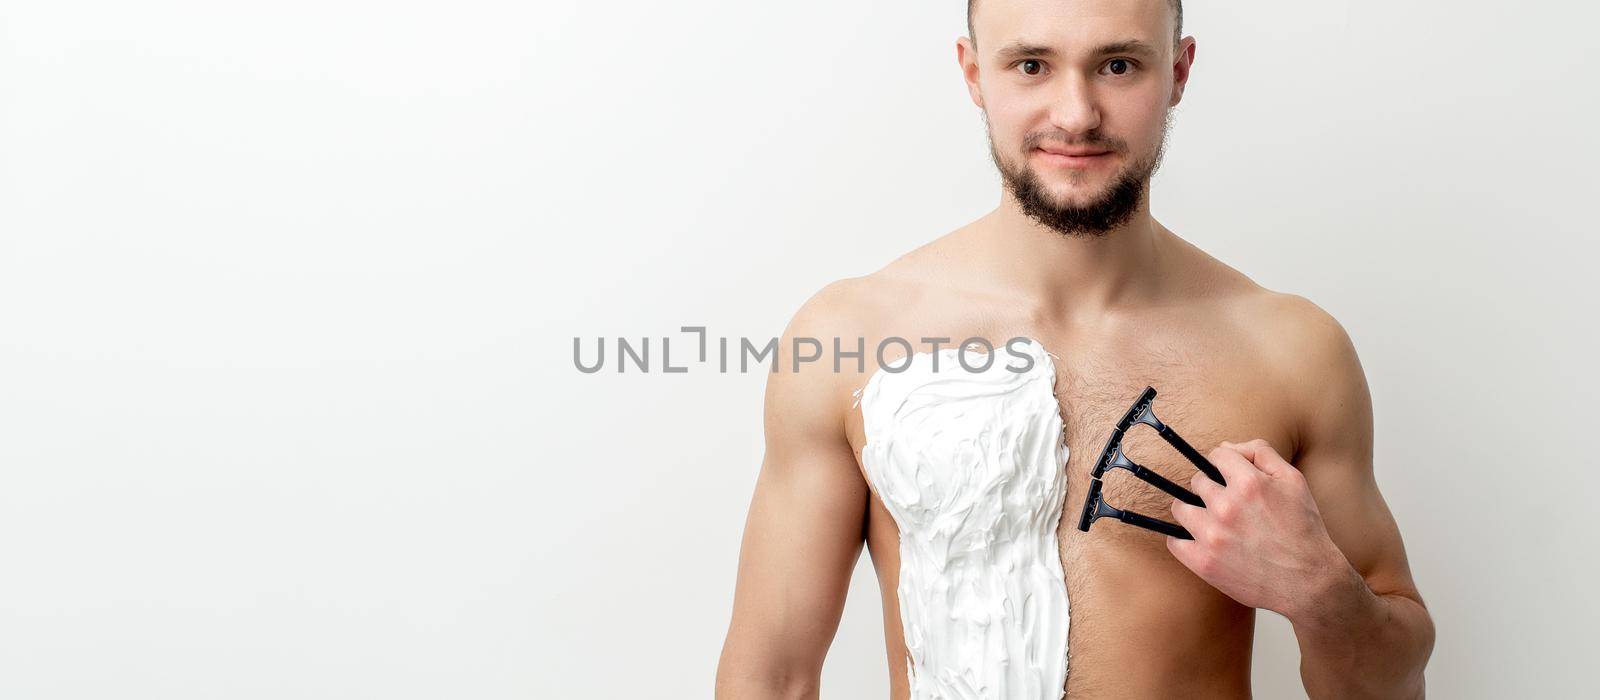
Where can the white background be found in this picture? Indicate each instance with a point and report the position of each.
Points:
(288, 293)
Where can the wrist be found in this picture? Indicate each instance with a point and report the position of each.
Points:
(1336, 598)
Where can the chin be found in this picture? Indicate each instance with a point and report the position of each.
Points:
(1077, 189)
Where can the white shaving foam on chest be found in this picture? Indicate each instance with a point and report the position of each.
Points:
(972, 468)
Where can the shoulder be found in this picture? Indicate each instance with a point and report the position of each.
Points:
(851, 314)
(1288, 330)
(808, 387)
(868, 305)
(843, 307)
(1313, 362)
(1291, 334)
(1289, 326)
(1301, 338)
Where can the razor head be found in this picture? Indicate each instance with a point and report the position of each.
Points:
(1107, 456)
(1142, 411)
(1114, 458)
(1095, 507)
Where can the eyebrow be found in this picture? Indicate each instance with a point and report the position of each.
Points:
(1023, 49)
(1129, 46)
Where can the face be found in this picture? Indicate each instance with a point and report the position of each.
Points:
(1076, 96)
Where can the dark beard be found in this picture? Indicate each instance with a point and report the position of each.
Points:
(1097, 218)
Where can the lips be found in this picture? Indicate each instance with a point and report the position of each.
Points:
(1074, 151)
(1073, 157)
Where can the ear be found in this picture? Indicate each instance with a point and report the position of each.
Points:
(1181, 66)
(967, 56)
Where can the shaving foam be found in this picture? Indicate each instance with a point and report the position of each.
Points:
(971, 465)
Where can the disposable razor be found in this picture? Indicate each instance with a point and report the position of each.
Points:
(1095, 506)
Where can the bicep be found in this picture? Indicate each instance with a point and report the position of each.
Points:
(801, 541)
(1336, 456)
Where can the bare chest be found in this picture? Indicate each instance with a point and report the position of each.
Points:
(1208, 389)
(1123, 584)
(1207, 397)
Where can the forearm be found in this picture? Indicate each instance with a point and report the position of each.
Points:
(1355, 643)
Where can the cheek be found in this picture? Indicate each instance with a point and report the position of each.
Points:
(1009, 122)
(1138, 116)
(1007, 106)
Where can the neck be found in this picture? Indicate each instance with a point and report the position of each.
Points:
(1078, 276)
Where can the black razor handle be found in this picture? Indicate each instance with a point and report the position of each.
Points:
(1150, 523)
(1199, 460)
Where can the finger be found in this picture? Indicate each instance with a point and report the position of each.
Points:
(1261, 454)
(1234, 466)
(1192, 518)
(1182, 550)
(1204, 487)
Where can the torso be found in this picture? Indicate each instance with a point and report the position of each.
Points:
(1142, 625)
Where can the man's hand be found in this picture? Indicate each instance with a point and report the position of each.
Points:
(1260, 539)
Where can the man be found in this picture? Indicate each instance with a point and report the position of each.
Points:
(1076, 95)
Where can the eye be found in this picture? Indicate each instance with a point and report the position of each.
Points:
(1033, 61)
(1119, 66)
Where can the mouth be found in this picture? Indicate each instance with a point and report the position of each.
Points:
(1073, 157)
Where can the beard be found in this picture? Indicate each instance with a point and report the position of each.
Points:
(1097, 217)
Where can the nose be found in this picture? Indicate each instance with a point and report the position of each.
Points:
(1075, 110)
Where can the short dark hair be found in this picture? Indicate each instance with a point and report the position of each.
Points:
(1177, 14)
